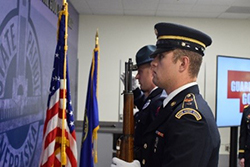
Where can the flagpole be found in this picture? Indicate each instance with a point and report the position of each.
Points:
(63, 139)
(97, 47)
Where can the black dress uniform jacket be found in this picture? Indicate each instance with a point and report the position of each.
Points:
(184, 134)
(244, 140)
(148, 109)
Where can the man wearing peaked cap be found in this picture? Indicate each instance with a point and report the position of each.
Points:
(143, 55)
(172, 36)
(184, 134)
(147, 98)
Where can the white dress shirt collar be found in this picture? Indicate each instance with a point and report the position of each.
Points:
(175, 92)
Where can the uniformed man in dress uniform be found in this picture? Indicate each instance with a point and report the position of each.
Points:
(147, 96)
(184, 134)
(244, 141)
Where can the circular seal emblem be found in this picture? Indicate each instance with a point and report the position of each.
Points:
(86, 127)
(21, 111)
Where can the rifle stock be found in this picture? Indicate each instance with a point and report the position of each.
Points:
(125, 144)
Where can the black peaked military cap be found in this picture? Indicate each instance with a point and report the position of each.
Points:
(143, 55)
(172, 36)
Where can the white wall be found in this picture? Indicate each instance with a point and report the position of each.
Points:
(121, 36)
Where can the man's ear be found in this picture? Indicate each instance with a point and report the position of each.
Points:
(184, 63)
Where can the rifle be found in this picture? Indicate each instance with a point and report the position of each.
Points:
(125, 144)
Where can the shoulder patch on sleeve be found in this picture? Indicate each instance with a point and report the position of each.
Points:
(189, 111)
(246, 106)
(189, 101)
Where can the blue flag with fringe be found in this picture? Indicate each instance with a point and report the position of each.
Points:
(88, 154)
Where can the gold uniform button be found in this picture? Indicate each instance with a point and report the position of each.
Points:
(173, 103)
(143, 161)
(145, 145)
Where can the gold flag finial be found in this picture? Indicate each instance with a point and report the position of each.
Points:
(96, 38)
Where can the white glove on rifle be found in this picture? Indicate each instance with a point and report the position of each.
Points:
(135, 83)
(116, 162)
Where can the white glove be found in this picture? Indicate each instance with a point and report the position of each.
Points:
(116, 162)
(135, 83)
(122, 77)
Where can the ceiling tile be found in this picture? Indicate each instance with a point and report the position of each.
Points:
(139, 5)
(203, 14)
(178, 1)
(106, 4)
(188, 14)
(238, 9)
(166, 8)
(210, 8)
(175, 7)
(244, 3)
(215, 2)
(78, 3)
(102, 11)
(140, 12)
(170, 13)
(234, 16)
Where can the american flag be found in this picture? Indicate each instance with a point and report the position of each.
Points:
(59, 101)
